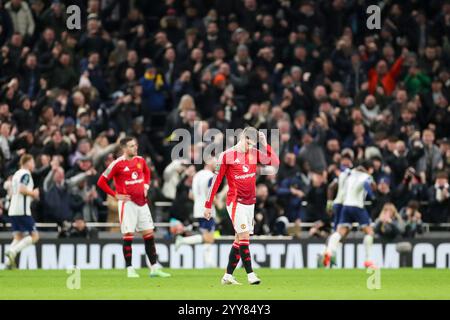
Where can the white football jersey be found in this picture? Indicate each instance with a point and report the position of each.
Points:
(355, 194)
(201, 183)
(20, 204)
(342, 180)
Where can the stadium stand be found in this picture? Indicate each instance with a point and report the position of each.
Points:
(311, 69)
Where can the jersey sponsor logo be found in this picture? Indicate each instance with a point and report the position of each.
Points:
(134, 175)
(126, 169)
(245, 168)
(128, 182)
(245, 176)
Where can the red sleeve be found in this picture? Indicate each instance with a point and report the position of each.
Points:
(268, 158)
(102, 183)
(221, 168)
(395, 69)
(146, 172)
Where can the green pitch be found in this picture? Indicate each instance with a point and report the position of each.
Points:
(205, 284)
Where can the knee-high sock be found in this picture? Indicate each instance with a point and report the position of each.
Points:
(198, 238)
(14, 242)
(233, 258)
(207, 258)
(368, 241)
(127, 250)
(21, 244)
(150, 249)
(244, 250)
(333, 243)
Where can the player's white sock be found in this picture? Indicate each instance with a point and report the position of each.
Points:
(368, 241)
(13, 244)
(21, 244)
(333, 243)
(207, 258)
(198, 238)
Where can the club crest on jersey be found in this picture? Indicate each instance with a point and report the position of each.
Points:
(139, 166)
(126, 169)
(245, 168)
(134, 175)
(243, 226)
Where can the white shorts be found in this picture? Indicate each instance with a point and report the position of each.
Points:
(242, 216)
(134, 218)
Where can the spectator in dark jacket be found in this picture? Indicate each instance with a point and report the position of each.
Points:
(389, 224)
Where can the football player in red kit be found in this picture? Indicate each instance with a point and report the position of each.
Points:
(238, 164)
(131, 177)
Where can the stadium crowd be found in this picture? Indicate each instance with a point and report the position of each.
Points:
(337, 91)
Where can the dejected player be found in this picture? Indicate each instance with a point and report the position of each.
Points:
(238, 164)
(132, 180)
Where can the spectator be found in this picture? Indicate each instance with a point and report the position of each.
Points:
(21, 17)
(413, 219)
(439, 200)
(389, 224)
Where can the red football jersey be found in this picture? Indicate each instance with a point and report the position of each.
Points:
(129, 177)
(240, 171)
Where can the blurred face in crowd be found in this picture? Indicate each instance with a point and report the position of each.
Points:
(333, 145)
(58, 176)
(250, 4)
(197, 55)
(320, 92)
(401, 97)
(130, 74)
(170, 55)
(428, 137)
(49, 35)
(85, 165)
(26, 104)
(357, 115)
(212, 29)
(300, 53)
(406, 115)
(382, 68)
(84, 147)
(430, 53)
(94, 58)
(31, 61)
(93, 26)
(132, 57)
(65, 59)
(57, 137)
(359, 130)
(16, 40)
(400, 147)
(5, 129)
(290, 159)
(262, 192)
(370, 101)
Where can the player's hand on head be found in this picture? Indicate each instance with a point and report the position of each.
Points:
(262, 138)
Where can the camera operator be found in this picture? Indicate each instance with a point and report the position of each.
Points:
(411, 188)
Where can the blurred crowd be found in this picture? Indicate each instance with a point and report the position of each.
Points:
(337, 92)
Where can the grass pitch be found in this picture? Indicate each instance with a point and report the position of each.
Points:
(205, 284)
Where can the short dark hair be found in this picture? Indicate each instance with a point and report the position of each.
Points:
(124, 141)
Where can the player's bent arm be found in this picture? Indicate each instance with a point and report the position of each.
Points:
(102, 183)
(269, 157)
